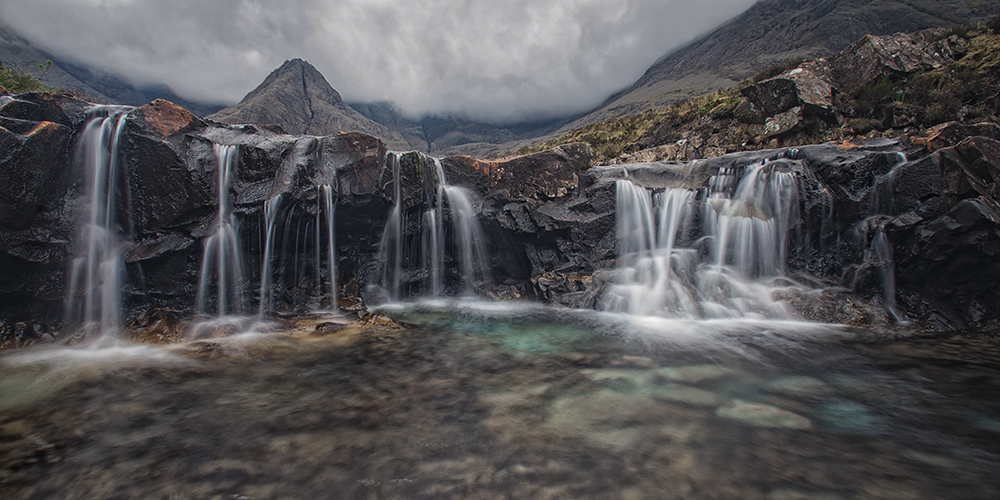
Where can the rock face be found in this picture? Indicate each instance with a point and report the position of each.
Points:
(298, 98)
(894, 55)
(548, 218)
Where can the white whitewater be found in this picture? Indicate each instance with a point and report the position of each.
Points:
(222, 258)
(391, 245)
(880, 248)
(270, 217)
(468, 243)
(746, 217)
(96, 274)
(469, 239)
(330, 208)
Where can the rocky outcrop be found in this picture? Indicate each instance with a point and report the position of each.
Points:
(895, 55)
(808, 87)
(803, 98)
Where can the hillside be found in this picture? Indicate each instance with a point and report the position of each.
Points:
(773, 31)
(17, 52)
(878, 86)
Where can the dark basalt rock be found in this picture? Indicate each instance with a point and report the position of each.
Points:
(549, 217)
(45, 107)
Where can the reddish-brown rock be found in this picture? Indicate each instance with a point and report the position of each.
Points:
(166, 119)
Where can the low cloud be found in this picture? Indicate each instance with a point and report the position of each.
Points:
(490, 60)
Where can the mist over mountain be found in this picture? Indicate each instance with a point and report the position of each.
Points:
(18, 52)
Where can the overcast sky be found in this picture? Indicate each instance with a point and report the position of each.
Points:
(493, 60)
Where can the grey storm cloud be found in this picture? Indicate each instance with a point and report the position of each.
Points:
(494, 60)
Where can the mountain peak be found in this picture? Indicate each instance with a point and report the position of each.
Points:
(297, 97)
(296, 78)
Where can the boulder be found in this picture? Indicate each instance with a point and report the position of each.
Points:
(895, 55)
(549, 174)
(783, 123)
(951, 133)
(63, 109)
(978, 158)
(807, 87)
(165, 119)
(34, 169)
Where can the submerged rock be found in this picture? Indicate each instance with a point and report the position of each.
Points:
(695, 374)
(761, 415)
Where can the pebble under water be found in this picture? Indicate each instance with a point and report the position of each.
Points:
(494, 401)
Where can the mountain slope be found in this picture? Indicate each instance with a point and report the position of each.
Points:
(20, 53)
(297, 97)
(773, 31)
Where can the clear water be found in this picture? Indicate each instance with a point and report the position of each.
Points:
(498, 401)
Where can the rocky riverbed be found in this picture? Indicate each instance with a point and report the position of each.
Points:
(481, 401)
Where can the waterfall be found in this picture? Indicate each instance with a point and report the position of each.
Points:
(435, 233)
(650, 270)
(93, 297)
(880, 248)
(747, 216)
(270, 217)
(468, 243)
(469, 240)
(751, 226)
(882, 253)
(391, 245)
(331, 210)
(221, 258)
(878, 254)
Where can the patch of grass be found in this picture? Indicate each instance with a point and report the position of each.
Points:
(16, 81)
(628, 134)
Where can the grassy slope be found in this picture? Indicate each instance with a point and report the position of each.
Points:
(967, 90)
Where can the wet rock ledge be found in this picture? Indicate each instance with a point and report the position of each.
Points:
(549, 217)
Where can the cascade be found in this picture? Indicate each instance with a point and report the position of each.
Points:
(747, 215)
(221, 258)
(270, 217)
(96, 274)
(878, 253)
(468, 241)
(881, 247)
(330, 207)
(391, 245)
(434, 233)
(750, 225)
